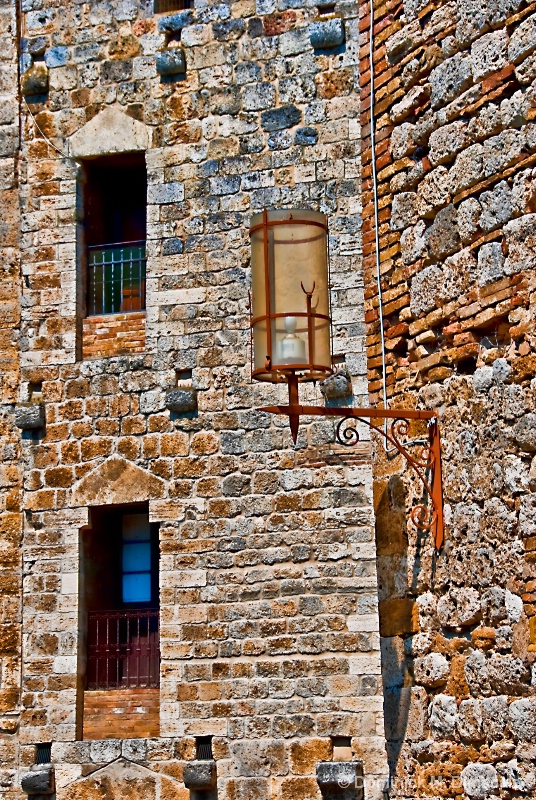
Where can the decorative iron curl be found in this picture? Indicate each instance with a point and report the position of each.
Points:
(424, 456)
(423, 517)
(346, 433)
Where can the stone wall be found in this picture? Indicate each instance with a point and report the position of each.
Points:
(455, 153)
(10, 473)
(269, 621)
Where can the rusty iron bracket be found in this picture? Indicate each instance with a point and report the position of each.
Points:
(426, 463)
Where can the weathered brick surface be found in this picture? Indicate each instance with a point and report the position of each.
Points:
(455, 154)
(269, 621)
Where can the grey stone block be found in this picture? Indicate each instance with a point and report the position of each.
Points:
(57, 57)
(200, 775)
(328, 33)
(277, 119)
(26, 62)
(342, 774)
(306, 136)
(39, 781)
(171, 62)
(37, 46)
(172, 247)
(175, 22)
(29, 416)
(180, 401)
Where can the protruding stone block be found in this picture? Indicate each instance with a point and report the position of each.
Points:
(306, 136)
(35, 80)
(328, 33)
(338, 776)
(200, 775)
(30, 416)
(171, 62)
(175, 22)
(337, 386)
(180, 401)
(39, 781)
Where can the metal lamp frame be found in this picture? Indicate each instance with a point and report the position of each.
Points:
(425, 462)
(280, 373)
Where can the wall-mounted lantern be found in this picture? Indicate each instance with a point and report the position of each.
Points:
(291, 322)
(291, 342)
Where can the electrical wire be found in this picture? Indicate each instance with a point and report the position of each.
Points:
(45, 137)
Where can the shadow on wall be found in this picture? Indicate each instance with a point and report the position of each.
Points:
(397, 612)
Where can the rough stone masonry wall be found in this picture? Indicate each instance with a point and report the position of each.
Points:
(455, 154)
(269, 628)
(10, 474)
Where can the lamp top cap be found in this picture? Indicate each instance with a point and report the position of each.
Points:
(303, 215)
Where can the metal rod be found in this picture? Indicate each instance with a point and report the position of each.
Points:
(267, 285)
(373, 413)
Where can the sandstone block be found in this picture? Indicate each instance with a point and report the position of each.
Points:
(490, 263)
(508, 675)
(497, 207)
(524, 433)
(450, 79)
(479, 780)
(447, 141)
(469, 721)
(523, 40)
(431, 670)
(400, 43)
(522, 719)
(521, 242)
(488, 54)
(404, 210)
(442, 716)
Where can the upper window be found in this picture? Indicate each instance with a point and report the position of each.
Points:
(115, 221)
(136, 558)
(162, 6)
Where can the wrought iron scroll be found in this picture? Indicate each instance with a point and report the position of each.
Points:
(425, 462)
(424, 517)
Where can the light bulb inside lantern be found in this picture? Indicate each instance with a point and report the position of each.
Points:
(291, 347)
(290, 325)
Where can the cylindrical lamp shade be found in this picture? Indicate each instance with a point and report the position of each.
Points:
(290, 322)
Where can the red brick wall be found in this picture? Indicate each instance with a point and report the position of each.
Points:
(113, 335)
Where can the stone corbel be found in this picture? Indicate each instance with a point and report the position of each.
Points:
(326, 34)
(181, 401)
(200, 776)
(30, 416)
(340, 780)
(39, 781)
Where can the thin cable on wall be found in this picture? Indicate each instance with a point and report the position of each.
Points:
(375, 193)
(45, 137)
